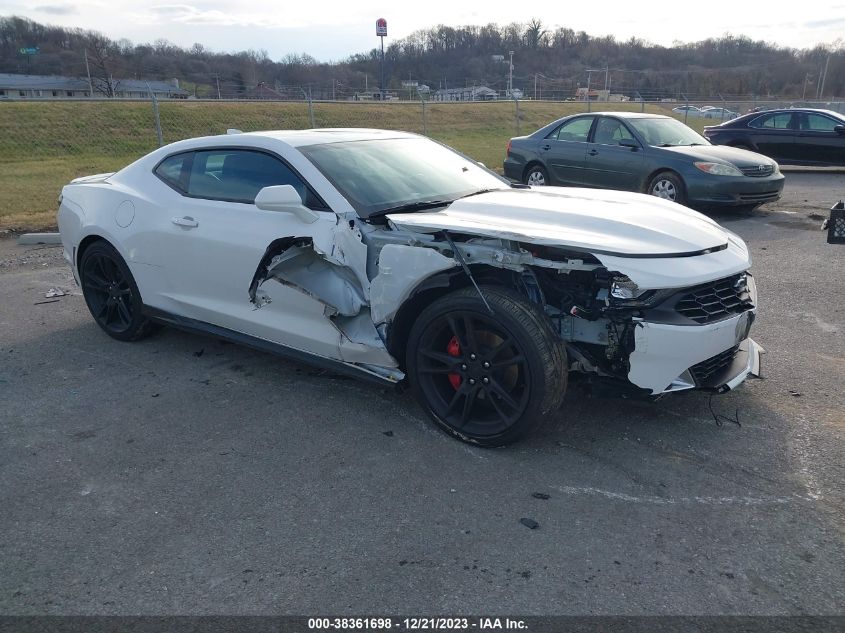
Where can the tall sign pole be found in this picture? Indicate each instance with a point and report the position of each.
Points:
(381, 32)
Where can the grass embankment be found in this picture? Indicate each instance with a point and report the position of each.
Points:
(43, 145)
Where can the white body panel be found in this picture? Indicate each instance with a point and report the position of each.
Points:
(594, 221)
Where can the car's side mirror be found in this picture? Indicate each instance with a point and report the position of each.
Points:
(629, 142)
(839, 129)
(284, 198)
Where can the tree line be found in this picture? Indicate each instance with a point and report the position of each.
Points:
(548, 63)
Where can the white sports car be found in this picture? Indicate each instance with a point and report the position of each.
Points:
(389, 256)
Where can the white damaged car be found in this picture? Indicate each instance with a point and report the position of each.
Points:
(391, 257)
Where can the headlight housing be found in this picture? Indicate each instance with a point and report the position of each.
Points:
(625, 289)
(718, 169)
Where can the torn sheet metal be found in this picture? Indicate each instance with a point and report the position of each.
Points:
(360, 342)
(297, 262)
(401, 269)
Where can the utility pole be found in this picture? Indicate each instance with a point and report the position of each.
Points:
(824, 77)
(606, 77)
(510, 75)
(217, 79)
(804, 91)
(535, 86)
(88, 70)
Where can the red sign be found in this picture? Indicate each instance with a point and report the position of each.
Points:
(381, 27)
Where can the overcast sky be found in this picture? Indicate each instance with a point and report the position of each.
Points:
(333, 29)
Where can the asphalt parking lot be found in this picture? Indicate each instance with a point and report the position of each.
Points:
(184, 475)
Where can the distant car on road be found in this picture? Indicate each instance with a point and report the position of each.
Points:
(689, 110)
(792, 136)
(647, 153)
(712, 112)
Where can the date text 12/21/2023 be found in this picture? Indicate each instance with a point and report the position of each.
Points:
(416, 624)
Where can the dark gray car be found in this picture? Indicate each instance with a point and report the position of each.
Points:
(648, 153)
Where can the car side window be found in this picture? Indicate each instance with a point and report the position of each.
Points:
(576, 130)
(174, 170)
(817, 123)
(237, 175)
(610, 131)
(778, 121)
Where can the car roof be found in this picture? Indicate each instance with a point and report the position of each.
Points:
(301, 138)
(632, 115)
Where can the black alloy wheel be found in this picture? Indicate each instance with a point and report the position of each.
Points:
(111, 293)
(486, 378)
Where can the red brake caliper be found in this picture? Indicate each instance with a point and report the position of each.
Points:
(454, 349)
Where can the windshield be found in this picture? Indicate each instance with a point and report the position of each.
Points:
(666, 132)
(377, 175)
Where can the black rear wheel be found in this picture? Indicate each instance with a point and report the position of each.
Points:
(111, 294)
(486, 378)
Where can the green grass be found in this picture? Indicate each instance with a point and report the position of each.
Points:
(43, 145)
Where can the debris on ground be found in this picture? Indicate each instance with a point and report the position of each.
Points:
(531, 524)
(38, 303)
(199, 353)
(540, 495)
(388, 433)
(54, 292)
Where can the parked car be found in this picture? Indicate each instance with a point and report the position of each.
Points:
(712, 112)
(390, 257)
(689, 110)
(792, 136)
(642, 152)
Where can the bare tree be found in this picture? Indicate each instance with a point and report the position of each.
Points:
(100, 58)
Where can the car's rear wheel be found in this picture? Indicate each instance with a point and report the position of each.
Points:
(536, 176)
(486, 378)
(668, 186)
(111, 293)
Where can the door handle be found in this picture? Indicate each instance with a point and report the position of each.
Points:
(593, 152)
(546, 146)
(185, 221)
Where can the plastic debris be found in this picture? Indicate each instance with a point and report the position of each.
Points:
(531, 524)
(54, 292)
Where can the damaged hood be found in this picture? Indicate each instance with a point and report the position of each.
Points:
(591, 220)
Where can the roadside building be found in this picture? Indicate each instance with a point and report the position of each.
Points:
(473, 93)
(60, 87)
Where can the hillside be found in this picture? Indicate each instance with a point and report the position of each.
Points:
(549, 64)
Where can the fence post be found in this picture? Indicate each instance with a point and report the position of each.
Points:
(516, 104)
(642, 102)
(425, 124)
(311, 109)
(722, 118)
(686, 112)
(156, 116)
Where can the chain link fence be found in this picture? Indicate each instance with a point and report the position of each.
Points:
(44, 144)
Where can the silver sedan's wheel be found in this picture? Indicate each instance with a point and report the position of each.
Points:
(667, 186)
(536, 177)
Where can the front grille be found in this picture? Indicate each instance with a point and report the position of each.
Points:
(758, 171)
(716, 300)
(707, 368)
(759, 197)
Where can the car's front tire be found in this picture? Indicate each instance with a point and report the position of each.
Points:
(486, 378)
(668, 186)
(111, 293)
(536, 176)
